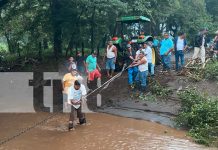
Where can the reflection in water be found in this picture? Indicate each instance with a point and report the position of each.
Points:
(104, 132)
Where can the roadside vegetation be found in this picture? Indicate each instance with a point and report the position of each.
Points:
(43, 33)
(199, 114)
(211, 71)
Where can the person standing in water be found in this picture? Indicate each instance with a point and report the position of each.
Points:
(75, 95)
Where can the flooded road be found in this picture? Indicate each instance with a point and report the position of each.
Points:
(102, 132)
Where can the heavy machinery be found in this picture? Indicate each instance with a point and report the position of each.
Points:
(130, 30)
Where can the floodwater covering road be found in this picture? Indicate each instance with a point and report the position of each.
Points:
(102, 132)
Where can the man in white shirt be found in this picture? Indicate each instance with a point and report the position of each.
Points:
(75, 95)
(111, 56)
(148, 53)
(180, 47)
(141, 77)
(138, 51)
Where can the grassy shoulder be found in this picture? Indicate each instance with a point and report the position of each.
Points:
(199, 111)
(199, 114)
(211, 70)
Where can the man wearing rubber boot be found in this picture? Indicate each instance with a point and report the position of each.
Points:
(75, 94)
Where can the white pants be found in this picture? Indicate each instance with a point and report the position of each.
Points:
(198, 50)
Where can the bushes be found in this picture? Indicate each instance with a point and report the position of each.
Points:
(211, 71)
(200, 115)
(159, 91)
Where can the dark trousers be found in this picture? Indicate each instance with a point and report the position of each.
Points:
(166, 61)
(76, 113)
(179, 56)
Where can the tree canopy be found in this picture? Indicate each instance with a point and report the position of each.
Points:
(64, 25)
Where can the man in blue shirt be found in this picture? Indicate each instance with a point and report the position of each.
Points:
(166, 48)
(155, 42)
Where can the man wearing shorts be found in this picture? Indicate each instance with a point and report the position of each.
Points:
(111, 55)
(93, 69)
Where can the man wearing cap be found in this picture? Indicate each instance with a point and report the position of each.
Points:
(92, 68)
(166, 48)
(141, 77)
(200, 44)
(111, 56)
(67, 81)
(132, 71)
(76, 93)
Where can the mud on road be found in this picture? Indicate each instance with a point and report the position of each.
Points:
(102, 132)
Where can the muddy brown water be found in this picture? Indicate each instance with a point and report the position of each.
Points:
(102, 132)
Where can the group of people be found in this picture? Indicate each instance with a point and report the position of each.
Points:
(73, 81)
(141, 63)
(74, 89)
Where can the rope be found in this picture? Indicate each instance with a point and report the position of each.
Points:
(44, 121)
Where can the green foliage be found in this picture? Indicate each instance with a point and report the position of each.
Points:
(69, 24)
(156, 92)
(159, 91)
(148, 97)
(211, 70)
(212, 8)
(199, 114)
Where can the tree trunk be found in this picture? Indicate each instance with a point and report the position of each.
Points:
(10, 45)
(83, 53)
(92, 30)
(66, 54)
(45, 43)
(76, 49)
(40, 51)
(70, 45)
(18, 50)
(98, 49)
(56, 22)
